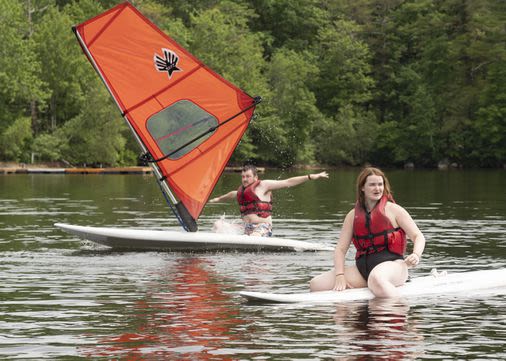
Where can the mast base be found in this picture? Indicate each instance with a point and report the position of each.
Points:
(189, 223)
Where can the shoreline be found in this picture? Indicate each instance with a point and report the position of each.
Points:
(84, 170)
(59, 168)
(52, 168)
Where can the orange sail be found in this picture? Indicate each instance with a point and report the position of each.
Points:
(187, 119)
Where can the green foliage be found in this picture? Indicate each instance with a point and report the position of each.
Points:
(414, 120)
(344, 67)
(349, 139)
(342, 82)
(289, 74)
(64, 68)
(221, 38)
(490, 125)
(293, 24)
(47, 147)
(95, 135)
(19, 65)
(15, 139)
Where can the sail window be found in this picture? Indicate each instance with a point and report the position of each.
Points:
(180, 128)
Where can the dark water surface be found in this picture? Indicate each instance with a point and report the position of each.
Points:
(62, 298)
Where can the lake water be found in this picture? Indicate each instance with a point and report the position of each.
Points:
(62, 298)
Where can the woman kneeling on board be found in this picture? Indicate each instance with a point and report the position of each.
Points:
(378, 228)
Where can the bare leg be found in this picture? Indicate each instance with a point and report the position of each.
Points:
(222, 226)
(386, 276)
(323, 282)
(326, 281)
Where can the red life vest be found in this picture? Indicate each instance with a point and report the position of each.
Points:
(373, 231)
(250, 203)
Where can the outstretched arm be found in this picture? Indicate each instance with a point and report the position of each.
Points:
(225, 197)
(270, 185)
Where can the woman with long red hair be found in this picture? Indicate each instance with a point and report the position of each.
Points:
(378, 227)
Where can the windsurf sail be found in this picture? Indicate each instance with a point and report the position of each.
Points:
(187, 119)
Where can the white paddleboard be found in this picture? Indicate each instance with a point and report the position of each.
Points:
(437, 284)
(142, 239)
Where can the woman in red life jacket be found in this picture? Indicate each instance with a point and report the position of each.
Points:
(254, 197)
(377, 226)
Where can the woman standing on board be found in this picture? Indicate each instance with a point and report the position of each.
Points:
(378, 228)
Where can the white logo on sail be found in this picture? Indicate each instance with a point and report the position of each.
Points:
(167, 62)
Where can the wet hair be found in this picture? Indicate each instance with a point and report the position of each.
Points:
(362, 178)
(250, 167)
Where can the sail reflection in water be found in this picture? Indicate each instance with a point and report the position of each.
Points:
(184, 315)
(60, 301)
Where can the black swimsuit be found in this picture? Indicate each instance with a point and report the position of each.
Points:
(367, 262)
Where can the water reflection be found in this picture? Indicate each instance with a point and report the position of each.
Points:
(61, 300)
(379, 329)
(184, 315)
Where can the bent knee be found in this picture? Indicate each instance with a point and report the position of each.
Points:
(376, 280)
(315, 284)
(382, 285)
(321, 282)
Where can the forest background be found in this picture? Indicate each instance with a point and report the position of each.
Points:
(343, 82)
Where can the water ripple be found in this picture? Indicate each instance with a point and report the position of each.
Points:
(65, 298)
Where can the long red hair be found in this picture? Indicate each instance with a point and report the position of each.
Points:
(362, 178)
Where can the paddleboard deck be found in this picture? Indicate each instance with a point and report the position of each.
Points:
(142, 239)
(442, 284)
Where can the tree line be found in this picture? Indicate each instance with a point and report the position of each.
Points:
(343, 82)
